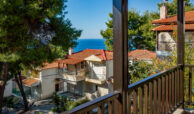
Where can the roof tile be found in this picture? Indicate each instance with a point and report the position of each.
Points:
(189, 19)
(173, 27)
(79, 57)
(28, 82)
(141, 54)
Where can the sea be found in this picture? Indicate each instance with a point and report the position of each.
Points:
(92, 43)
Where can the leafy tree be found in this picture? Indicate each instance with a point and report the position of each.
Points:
(172, 7)
(77, 103)
(139, 70)
(140, 34)
(63, 104)
(138, 27)
(32, 32)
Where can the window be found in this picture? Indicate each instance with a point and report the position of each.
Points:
(96, 87)
(83, 65)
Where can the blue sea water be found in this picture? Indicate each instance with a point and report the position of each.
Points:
(89, 44)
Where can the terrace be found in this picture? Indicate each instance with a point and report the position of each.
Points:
(160, 93)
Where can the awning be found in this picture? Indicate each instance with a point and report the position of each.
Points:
(30, 82)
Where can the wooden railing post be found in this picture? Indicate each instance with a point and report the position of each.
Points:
(180, 46)
(120, 57)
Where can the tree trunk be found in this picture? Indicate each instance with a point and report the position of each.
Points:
(3, 80)
(2, 88)
(20, 85)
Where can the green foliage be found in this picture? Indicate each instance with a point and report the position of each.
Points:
(138, 27)
(171, 61)
(63, 104)
(140, 34)
(60, 103)
(34, 31)
(172, 7)
(11, 102)
(77, 103)
(139, 70)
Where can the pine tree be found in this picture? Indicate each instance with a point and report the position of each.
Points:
(32, 32)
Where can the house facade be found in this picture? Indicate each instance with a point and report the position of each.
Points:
(166, 31)
(87, 73)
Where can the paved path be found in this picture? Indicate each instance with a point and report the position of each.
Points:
(43, 106)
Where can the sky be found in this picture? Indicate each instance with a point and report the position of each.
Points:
(90, 15)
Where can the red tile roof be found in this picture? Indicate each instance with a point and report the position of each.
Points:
(141, 54)
(71, 61)
(102, 54)
(188, 27)
(78, 57)
(50, 65)
(29, 82)
(189, 19)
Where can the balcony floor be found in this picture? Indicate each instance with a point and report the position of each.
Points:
(181, 111)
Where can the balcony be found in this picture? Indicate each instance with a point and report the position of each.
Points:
(158, 94)
(74, 76)
(96, 79)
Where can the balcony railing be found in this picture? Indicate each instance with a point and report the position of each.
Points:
(95, 79)
(159, 94)
(74, 76)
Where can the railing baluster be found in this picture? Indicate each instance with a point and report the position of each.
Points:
(173, 89)
(190, 86)
(159, 96)
(163, 95)
(129, 103)
(146, 99)
(178, 87)
(110, 107)
(170, 91)
(141, 100)
(155, 106)
(101, 109)
(150, 98)
(181, 87)
(135, 104)
(167, 105)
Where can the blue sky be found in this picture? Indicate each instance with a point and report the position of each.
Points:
(91, 15)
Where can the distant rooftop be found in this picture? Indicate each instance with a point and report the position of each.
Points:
(141, 54)
(170, 23)
(78, 57)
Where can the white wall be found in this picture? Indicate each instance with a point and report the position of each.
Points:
(103, 91)
(98, 70)
(166, 37)
(109, 68)
(47, 78)
(8, 89)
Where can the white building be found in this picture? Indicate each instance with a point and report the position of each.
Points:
(166, 31)
(86, 73)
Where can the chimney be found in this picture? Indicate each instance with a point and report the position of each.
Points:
(163, 12)
(70, 51)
